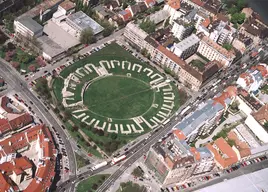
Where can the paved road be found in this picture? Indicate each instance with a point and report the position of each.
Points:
(14, 81)
(237, 173)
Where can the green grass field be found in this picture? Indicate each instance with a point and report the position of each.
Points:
(118, 97)
(91, 183)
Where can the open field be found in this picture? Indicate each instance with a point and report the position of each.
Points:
(113, 92)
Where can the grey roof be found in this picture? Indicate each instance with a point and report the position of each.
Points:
(159, 16)
(252, 182)
(31, 24)
(85, 22)
(50, 47)
(187, 42)
(101, 10)
(259, 149)
(204, 152)
(200, 116)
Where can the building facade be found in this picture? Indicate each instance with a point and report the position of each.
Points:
(27, 27)
(212, 51)
(181, 29)
(186, 47)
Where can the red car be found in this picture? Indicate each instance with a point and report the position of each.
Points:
(89, 154)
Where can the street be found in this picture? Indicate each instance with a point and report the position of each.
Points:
(16, 82)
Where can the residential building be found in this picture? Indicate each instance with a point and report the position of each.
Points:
(162, 56)
(257, 121)
(173, 161)
(221, 32)
(102, 12)
(172, 7)
(242, 43)
(27, 27)
(79, 21)
(38, 139)
(223, 153)
(149, 3)
(200, 17)
(125, 15)
(206, 115)
(181, 29)
(137, 8)
(186, 47)
(257, 31)
(252, 79)
(212, 51)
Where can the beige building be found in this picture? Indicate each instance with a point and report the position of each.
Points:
(212, 51)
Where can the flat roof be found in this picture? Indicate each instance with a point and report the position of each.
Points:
(187, 42)
(85, 22)
(252, 182)
(50, 47)
(59, 36)
(30, 24)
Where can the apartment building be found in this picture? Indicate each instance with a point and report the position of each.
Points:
(173, 161)
(182, 29)
(212, 51)
(188, 75)
(186, 47)
(221, 32)
(27, 27)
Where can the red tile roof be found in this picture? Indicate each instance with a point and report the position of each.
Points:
(206, 22)
(126, 15)
(223, 153)
(4, 126)
(150, 3)
(229, 92)
(67, 5)
(175, 4)
(195, 153)
(20, 120)
(241, 146)
(198, 2)
(6, 184)
(45, 173)
(4, 102)
(179, 134)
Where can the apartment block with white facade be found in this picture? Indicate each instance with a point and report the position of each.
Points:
(186, 47)
(27, 27)
(174, 161)
(212, 51)
(182, 29)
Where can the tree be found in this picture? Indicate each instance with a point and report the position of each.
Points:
(148, 26)
(137, 172)
(100, 132)
(113, 136)
(15, 64)
(227, 46)
(94, 186)
(11, 46)
(67, 114)
(83, 124)
(238, 18)
(75, 128)
(107, 31)
(87, 37)
(32, 68)
(144, 51)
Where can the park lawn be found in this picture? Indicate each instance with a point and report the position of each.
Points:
(58, 84)
(80, 161)
(87, 184)
(131, 187)
(199, 64)
(77, 137)
(112, 96)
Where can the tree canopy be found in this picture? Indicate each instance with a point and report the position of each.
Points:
(87, 37)
(238, 18)
(227, 46)
(148, 26)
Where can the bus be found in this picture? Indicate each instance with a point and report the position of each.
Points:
(185, 110)
(118, 159)
(216, 83)
(102, 164)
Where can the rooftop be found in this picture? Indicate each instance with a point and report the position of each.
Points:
(67, 5)
(31, 24)
(84, 22)
(50, 47)
(223, 152)
(220, 49)
(187, 42)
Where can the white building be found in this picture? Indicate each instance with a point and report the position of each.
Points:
(186, 47)
(252, 79)
(200, 17)
(212, 51)
(222, 33)
(181, 29)
(27, 27)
